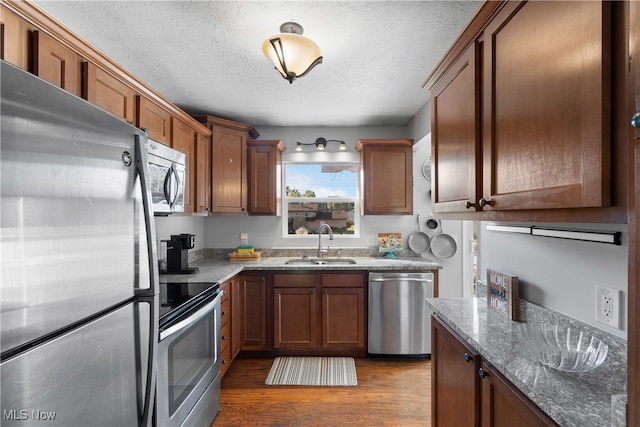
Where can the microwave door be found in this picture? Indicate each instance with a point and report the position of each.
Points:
(160, 171)
(179, 175)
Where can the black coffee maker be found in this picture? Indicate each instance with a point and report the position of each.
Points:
(178, 253)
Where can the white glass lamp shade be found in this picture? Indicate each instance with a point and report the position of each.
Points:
(292, 54)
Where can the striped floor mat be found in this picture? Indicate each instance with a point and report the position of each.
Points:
(320, 371)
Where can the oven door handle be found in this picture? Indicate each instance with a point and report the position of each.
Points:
(185, 323)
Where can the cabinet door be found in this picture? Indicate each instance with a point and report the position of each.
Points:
(236, 317)
(154, 119)
(547, 104)
(183, 140)
(633, 373)
(56, 63)
(455, 382)
(387, 167)
(343, 318)
(229, 170)
(253, 301)
(505, 406)
(295, 317)
(203, 174)
(104, 90)
(455, 132)
(15, 39)
(264, 177)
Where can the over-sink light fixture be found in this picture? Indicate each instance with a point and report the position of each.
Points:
(321, 144)
(291, 53)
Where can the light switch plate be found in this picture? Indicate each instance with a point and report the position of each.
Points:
(608, 306)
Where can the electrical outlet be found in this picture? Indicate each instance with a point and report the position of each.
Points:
(608, 306)
(244, 238)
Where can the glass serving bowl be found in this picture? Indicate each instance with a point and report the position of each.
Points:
(563, 348)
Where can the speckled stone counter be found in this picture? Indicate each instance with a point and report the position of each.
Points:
(220, 269)
(571, 399)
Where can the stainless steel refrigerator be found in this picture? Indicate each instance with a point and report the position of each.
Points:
(78, 286)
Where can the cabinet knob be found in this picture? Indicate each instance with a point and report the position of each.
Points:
(467, 357)
(468, 204)
(485, 202)
(324, 291)
(635, 120)
(482, 373)
(313, 291)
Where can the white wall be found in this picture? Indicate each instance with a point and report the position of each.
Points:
(560, 274)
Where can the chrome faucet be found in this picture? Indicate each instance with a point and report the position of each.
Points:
(321, 251)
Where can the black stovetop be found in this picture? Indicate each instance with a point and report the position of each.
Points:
(176, 296)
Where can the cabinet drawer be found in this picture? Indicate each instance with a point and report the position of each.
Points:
(294, 280)
(225, 311)
(343, 280)
(225, 360)
(225, 335)
(226, 292)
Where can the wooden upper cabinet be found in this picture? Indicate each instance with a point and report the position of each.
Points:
(203, 174)
(265, 171)
(455, 134)
(387, 171)
(183, 140)
(106, 91)
(154, 119)
(15, 39)
(56, 63)
(547, 105)
(229, 171)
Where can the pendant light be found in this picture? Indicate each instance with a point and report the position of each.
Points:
(291, 53)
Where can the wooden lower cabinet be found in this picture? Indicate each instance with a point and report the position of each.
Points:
(319, 312)
(505, 406)
(254, 334)
(455, 383)
(467, 391)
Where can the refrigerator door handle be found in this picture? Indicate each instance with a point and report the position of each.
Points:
(152, 292)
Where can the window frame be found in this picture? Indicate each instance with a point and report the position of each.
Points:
(357, 216)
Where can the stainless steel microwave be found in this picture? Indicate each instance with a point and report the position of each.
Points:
(167, 172)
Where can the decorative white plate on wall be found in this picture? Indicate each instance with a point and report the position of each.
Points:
(426, 169)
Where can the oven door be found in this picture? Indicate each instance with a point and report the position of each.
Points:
(188, 363)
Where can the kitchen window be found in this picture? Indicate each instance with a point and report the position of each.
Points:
(321, 192)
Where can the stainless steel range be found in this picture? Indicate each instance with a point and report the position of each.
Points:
(188, 392)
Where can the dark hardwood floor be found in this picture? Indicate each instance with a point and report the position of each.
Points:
(390, 392)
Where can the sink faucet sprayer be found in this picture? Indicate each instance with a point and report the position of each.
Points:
(321, 251)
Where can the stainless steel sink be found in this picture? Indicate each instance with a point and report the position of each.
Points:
(321, 261)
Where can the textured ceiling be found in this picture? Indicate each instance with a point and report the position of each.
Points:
(206, 57)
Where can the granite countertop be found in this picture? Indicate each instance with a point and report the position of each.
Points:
(571, 399)
(221, 269)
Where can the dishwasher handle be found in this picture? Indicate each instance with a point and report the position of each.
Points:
(403, 279)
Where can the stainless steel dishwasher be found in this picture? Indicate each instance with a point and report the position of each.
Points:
(399, 319)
